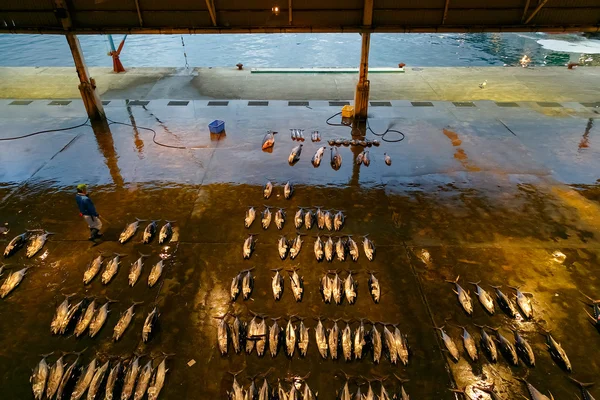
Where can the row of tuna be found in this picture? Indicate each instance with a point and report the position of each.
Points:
(322, 249)
(112, 267)
(331, 343)
(89, 316)
(298, 389)
(288, 191)
(134, 380)
(303, 216)
(353, 142)
(12, 280)
(490, 343)
(34, 239)
(164, 234)
(335, 157)
(332, 287)
(486, 300)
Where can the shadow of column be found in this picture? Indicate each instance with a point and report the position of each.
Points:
(106, 146)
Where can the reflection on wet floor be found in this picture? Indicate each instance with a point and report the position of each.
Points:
(514, 221)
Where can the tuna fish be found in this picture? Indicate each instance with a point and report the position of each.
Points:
(266, 218)
(73, 309)
(261, 333)
(463, 296)
(59, 315)
(166, 232)
(296, 246)
(247, 283)
(85, 319)
(299, 218)
(267, 190)
(297, 284)
(347, 342)
(99, 319)
(596, 310)
(359, 158)
(488, 344)
(402, 347)
(158, 381)
(352, 248)
(281, 393)
(524, 349)
(377, 344)
(150, 232)
(321, 339)
(469, 344)
(13, 280)
(374, 288)
(387, 159)
(223, 335)
(318, 249)
(359, 341)
(36, 243)
(136, 269)
(129, 231)
(303, 338)
(390, 344)
(449, 343)
(143, 381)
(524, 303)
(334, 340)
(237, 335)
(340, 249)
(39, 378)
(320, 218)
(534, 393)
(268, 140)
(155, 273)
(280, 218)
(328, 249)
(277, 284)
(309, 218)
(345, 392)
(248, 247)
(250, 216)
(318, 156)
(54, 377)
(350, 288)
(290, 338)
(369, 248)
(130, 378)
(584, 392)
(484, 298)
(92, 270)
(251, 335)
(336, 159)
(124, 322)
(97, 381)
(337, 289)
(557, 352)
(505, 303)
(149, 324)
(274, 335)
(111, 269)
(307, 394)
(237, 391)
(338, 221)
(65, 379)
(236, 286)
(282, 247)
(17, 243)
(84, 381)
(326, 288)
(288, 189)
(295, 155)
(328, 220)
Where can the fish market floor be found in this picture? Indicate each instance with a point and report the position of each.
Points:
(502, 195)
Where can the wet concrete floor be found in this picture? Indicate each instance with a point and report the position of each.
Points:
(497, 195)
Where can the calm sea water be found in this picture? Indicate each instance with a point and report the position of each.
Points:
(306, 50)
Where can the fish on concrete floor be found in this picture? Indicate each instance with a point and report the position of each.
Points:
(288, 190)
(266, 217)
(336, 159)
(39, 377)
(505, 302)
(280, 218)
(368, 248)
(17, 243)
(267, 190)
(248, 246)
(250, 216)
(318, 156)
(449, 343)
(387, 159)
(488, 344)
(129, 231)
(524, 303)
(268, 140)
(374, 287)
(136, 269)
(155, 273)
(150, 324)
(463, 296)
(111, 269)
(277, 284)
(297, 284)
(150, 232)
(295, 155)
(12, 281)
(124, 321)
(484, 298)
(36, 243)
(93, 269)
(166, 232)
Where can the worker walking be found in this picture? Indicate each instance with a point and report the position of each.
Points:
(88, 212)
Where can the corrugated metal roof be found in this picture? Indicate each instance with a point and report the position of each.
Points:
(234, 16)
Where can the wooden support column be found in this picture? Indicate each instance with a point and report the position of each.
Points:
(87, 86)
(361, 97)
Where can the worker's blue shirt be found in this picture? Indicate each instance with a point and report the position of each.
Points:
(86, 207)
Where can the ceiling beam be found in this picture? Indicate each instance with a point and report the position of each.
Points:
(445, 11)
(525, 10)
(368, 13)
(537, 9)
(290, 12)
(212, 11)
(139, 12)
(62, 13)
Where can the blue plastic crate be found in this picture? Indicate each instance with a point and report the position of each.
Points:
(216, 126)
